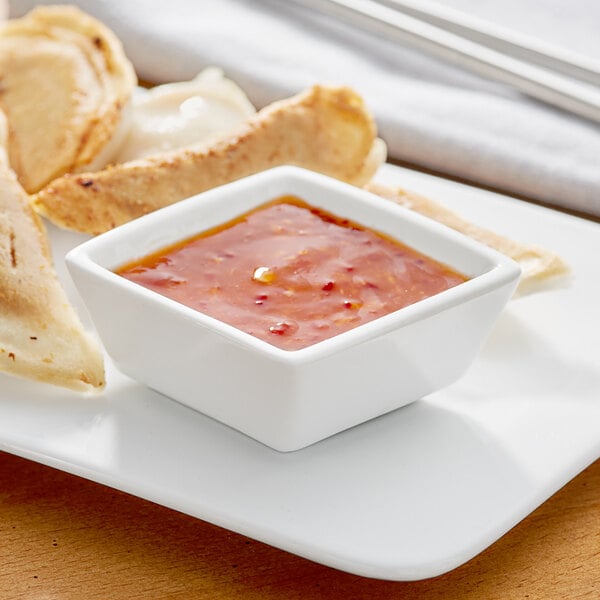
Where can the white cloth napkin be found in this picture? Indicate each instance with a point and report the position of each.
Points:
(429, 113)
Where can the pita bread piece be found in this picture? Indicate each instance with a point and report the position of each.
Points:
(326, 129)
(64, 84)
(40, 335)
(538, 264)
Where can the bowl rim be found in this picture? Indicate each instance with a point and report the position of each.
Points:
(502, 268)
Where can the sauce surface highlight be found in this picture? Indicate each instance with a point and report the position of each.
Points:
(291, 274)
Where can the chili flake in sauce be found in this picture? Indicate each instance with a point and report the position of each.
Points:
(291, 274)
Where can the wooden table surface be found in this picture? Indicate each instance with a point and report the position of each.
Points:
(63, 537)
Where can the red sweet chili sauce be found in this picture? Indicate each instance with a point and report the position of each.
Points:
(291, 274)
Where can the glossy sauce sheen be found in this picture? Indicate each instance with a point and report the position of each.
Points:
(291, 274)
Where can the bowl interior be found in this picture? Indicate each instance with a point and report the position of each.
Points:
(150, 233)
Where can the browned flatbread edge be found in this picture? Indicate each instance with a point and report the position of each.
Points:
(326, 129)
(41, 337)
(538, 264)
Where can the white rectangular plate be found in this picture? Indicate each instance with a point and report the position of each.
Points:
(406, 496)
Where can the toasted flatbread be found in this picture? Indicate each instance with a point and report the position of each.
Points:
(40, 335)
(326, 129)
(538, 264)
(65, 83)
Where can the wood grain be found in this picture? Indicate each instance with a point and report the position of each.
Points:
(62, 537)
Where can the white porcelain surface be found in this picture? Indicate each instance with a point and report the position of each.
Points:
(284, 399)
(405, 496)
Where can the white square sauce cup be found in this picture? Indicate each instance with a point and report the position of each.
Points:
(290, 399)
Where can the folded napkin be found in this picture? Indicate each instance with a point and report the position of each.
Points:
(429, 113)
